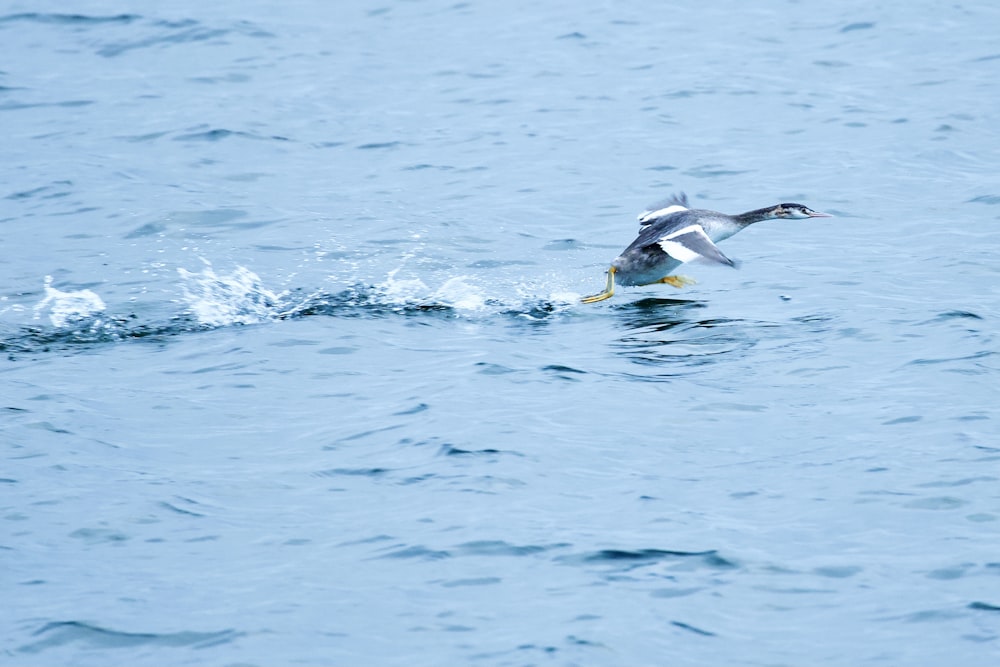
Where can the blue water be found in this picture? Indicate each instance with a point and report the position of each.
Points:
(294, 369)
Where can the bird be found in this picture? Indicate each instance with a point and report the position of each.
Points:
(671, 234)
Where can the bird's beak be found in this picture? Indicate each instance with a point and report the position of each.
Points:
(817, 214)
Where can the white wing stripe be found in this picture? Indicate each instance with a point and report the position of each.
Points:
(678, 250)
(659, 213)
(686, 230)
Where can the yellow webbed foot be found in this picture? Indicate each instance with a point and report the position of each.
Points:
(678, 281)
(609, 290)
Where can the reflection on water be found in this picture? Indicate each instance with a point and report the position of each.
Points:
(665, 334)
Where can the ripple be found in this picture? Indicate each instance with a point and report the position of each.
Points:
(691, 628)
(69, 19)
(58, 634)
(416, 552)
(940, 503)
(174, 33)
(851, 27)
(219, 133)
(641, 557)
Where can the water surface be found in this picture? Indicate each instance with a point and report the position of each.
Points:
(295, 369)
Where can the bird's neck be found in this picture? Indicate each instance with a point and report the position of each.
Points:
(751, 217)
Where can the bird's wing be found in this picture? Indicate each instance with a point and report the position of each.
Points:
(672, 204)
(691, 242)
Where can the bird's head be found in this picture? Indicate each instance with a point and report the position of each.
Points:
(796, 212)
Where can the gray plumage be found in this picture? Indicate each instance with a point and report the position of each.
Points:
(671, 234)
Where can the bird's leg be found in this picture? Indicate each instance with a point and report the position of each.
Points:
(608, 292)
(678, 281)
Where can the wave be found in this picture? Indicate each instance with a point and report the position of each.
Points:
(67, 319)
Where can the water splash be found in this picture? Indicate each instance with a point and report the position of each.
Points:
(69, 309)
(237, 298)
(457, 293)
(214, 299)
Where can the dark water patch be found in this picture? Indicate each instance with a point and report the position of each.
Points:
(423, 166)
(851, 27)
(98, 535)
(139, 138)
(713, 171)
(932, 616)
(563, 372)
(938, 503)
(415, 552)
(944, 360)
(180, 510)
(949, 573)
(643, 557)
(985, 199)
(577, 641)
(479, 581)
(53, 189)
(451, 450)
(534, 311)
(184, 33)
(660, 335)
(691, 628)
(837, 571)
(416, 479)
(74, 212)
(352, 472)
(379, 145)
(903, 420)
(69, 19)
(419, 407)
(984, 606)
(501, 548)
(487, 368)
(653, 306)
(367, 540)
(54, 635)
(955, 315)
(339, 350)
(50, 427)
(960, 482)
(220, 133)
(88, 333)
(675, 592)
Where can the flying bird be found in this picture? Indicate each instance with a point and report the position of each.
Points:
(671, 234)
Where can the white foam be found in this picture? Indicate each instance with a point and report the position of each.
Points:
(68, 308)
(235, 298)
(460, 294)
(402, 291)
(456, 292)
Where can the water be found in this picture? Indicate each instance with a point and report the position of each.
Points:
(295, 371)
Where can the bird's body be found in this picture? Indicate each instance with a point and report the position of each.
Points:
(671, 234)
